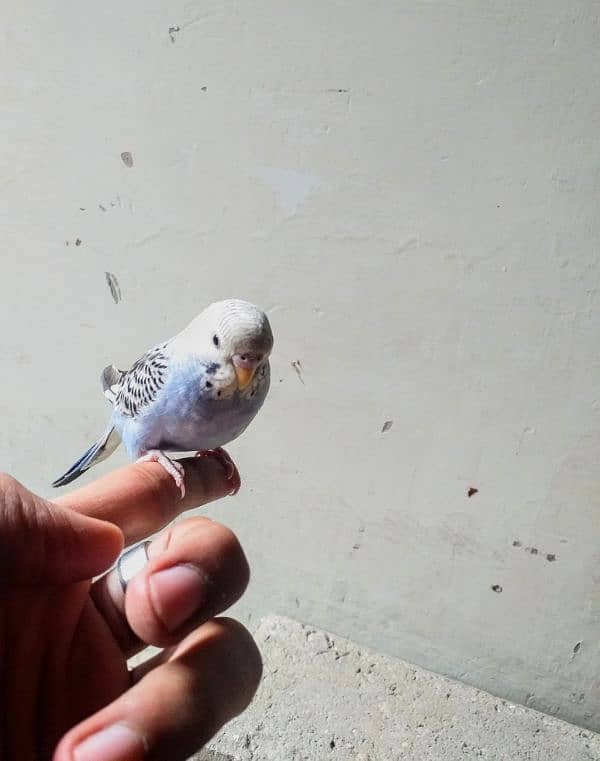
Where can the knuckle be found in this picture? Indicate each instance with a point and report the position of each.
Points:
(216, 549)
(227, 539)
(215, 533)
(8, 484)
(232, 553)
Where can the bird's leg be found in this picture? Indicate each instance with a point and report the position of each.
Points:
(173, 468)
(233, 473)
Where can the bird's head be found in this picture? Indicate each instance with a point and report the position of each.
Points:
(239, 334)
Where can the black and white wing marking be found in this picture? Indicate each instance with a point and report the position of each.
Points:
(132, 390)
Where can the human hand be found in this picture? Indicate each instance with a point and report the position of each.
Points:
(67, 693)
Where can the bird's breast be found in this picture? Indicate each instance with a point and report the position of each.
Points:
(190, 415)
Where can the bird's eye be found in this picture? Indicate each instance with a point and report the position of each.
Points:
(216, 340)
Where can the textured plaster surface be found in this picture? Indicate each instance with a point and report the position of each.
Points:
(323, 698)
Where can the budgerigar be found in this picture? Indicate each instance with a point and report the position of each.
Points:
(197, 391)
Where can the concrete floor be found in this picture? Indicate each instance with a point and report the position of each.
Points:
(323, 698)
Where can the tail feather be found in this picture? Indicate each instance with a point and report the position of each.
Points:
(99, 451)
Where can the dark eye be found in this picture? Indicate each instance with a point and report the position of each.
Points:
(216, 340)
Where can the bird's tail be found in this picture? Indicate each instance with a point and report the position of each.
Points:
(99, 451)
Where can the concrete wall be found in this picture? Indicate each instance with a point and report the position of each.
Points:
(411, 190)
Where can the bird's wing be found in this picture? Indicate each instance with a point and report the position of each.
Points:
(111, 382)
(132, 390)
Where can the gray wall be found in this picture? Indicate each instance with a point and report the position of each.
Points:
(411, 190)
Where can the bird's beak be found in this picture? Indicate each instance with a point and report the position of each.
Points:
(244, 376)
(245, 367)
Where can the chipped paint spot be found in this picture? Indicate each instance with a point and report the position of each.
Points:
(496, 588)
(127, 159)
(551, 557)
(472, 491)
(408, 244)
(387, 425)
(173, 32)
(297, 365)
(113, 284)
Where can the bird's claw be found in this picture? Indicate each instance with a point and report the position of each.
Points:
(174, 469)
(233, 474)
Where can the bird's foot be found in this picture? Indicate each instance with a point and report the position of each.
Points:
(233, 474)
(173, 468)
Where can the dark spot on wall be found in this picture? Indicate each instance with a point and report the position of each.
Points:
(173, 32)
(577, 647)
(82, 208)
(297, 365)
(496, 588)
(102, 208)
(549, 556)
(127, 159)
(78, 241)
(387, 425)
(472, 491)
(204, 88)
(113, 285)
(332, 744)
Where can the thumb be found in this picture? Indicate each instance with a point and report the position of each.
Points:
(43, 542)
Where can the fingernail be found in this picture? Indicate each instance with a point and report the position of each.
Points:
(177, 593)
(116, 743)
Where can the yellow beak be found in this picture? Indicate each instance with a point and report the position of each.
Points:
(244, 376)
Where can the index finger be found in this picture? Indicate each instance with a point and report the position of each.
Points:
(142, 498)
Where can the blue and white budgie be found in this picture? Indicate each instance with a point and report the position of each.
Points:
(197, 391)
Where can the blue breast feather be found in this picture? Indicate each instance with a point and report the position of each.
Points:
(185, 416)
